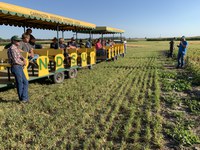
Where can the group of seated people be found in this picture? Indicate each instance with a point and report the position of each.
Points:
(72, 44)
(99, 46)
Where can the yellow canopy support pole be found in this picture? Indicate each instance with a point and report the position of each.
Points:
(76, 37)
(58, 35)
(24, 29)
(63, 34)
(90, 36)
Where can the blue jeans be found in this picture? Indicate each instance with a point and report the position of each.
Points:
(180, 59)
(21, 82)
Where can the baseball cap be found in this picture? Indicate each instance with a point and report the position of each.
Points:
(183, 37)
(15, 38)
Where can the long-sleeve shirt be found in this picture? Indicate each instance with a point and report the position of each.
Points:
(183, 47)
(14, 56)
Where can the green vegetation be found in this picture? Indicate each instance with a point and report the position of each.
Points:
(176, 38)
(116, 105)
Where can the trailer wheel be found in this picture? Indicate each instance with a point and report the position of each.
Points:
(123, 55)
(58, 77)
(72, 73)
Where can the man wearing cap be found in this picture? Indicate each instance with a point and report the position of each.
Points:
(17, 61)
(54, 43)
(181, 52)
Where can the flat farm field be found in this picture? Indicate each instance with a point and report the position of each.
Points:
(137, 102)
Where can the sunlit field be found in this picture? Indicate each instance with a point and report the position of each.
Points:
(137, 102)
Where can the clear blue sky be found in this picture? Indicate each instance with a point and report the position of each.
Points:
(139, 18)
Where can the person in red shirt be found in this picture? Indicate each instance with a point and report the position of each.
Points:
(99, 49)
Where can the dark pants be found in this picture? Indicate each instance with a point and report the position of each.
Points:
(170, 53)
(21, 82)
(101, 52)
(180, 59)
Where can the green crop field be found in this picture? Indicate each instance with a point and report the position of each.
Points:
(137, 102)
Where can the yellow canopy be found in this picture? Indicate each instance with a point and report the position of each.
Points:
(21, 16)
(104, 30)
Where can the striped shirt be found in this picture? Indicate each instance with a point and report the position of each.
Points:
(14, 56)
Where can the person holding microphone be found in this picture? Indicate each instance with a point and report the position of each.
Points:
(181, 52)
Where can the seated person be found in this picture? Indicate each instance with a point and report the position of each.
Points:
(54, 43)
(82, 45)
(94, 42)
(26, 47)
(88, 43)
(64, 47)
(103, 43)
(62, 44)
(29, 32)
(8, 46)
(32, 42)
(108, 43)
(99, 49)
(34, 45)
(72, 43)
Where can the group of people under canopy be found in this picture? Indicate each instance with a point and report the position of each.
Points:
(72, 44)
(28, 45)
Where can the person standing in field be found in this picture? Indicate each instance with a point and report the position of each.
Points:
(182, 52)
(125, 45)
(171, 47)
(17, 62)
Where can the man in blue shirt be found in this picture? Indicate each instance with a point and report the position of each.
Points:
(182, 51)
